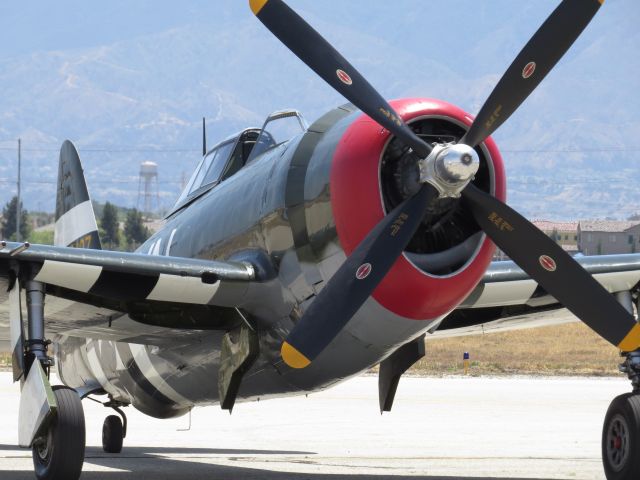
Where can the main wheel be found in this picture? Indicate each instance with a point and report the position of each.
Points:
(621, 438)
(112, 434)
(60, 454)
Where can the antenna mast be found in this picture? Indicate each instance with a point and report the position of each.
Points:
(18, 209)
(204, 138)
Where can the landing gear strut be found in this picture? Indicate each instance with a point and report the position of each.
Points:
(621, 429)
(51, 419)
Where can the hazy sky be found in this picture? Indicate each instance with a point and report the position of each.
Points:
(145, 72)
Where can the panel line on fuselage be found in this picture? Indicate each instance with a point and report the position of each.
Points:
(295, 192)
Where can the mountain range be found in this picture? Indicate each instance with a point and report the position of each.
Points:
(130, 81)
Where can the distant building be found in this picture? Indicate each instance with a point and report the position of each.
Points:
(565, 234)
(605, 237)
(590, 237)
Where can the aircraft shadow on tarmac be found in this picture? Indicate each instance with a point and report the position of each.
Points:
(139, 463)
(153, 452)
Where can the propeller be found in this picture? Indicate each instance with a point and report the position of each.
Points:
(356, 279)
(532, 64)
(531, 249)
(553, 269)
(333, 68)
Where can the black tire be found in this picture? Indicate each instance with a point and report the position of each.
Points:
(62, 455)
(621, 438)
(112, 434)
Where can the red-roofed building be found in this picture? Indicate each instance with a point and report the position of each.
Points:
(564, 233)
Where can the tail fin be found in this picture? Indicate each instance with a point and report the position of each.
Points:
(75, 221)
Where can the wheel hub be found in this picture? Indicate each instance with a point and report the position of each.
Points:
(618, 443)
(44, 445)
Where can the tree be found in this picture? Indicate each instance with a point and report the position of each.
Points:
(9, 221)
(134, 229)
(43, 237)
(109, 225)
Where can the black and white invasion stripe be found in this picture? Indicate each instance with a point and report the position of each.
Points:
(97, 280)
(75, 220)
(506, 284)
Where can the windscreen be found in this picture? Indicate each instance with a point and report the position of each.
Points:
(208, 170)
(278, 128)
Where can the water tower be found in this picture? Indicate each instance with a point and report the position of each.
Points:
(148, 187)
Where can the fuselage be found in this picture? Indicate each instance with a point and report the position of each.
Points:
(303, 207)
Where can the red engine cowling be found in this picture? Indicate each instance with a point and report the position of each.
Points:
(364, 186)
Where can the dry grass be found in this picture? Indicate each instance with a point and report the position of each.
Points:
(5, 360)
(571, 349)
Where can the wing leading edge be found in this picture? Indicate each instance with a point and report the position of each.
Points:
(507, 298)
(134, 276)
(103, 291)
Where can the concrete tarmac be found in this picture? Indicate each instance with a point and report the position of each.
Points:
(466, 428)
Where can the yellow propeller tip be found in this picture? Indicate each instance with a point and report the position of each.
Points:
(256, 5)
(631, 341)
(293, 357)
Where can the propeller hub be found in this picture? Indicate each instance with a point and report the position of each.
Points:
(449, 168)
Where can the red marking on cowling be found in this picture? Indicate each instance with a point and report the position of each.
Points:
(528, 69)
(357, 207)
(344, 77)
(548, 263)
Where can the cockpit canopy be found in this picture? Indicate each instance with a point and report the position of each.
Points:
(233, 153)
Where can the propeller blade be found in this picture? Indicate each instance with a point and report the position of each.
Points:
(333, 68)
(532, 64)
(554, 269)
(355, 280)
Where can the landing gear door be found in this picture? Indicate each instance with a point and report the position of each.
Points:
(38, 405)
(17, 331)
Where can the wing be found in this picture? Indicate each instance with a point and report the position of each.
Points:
(507, 299)
(128, 296)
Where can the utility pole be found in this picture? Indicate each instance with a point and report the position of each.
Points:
(18, 209)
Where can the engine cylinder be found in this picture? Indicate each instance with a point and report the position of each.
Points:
(373, 172)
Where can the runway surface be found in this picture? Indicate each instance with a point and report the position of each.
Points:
(467, 428)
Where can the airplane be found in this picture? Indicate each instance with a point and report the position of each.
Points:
(292, 263)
